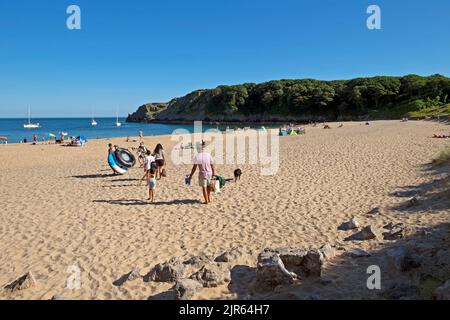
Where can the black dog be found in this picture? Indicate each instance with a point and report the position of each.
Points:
(237, 175)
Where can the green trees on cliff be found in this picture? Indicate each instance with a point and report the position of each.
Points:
(389, 96)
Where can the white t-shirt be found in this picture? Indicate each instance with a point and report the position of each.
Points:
(148, 161)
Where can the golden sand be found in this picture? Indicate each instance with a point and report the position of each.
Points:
(61, 206)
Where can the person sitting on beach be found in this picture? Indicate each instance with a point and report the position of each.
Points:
(326, 126)
(204, 162)
(341, 125)
(151, 182)
(150, 163)
(160, 160)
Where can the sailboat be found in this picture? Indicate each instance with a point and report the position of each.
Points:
(93, 122)
(30, 125)
(118, 124)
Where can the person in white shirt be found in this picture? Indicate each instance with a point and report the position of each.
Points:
(149, 163)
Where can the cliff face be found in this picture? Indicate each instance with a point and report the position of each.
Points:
(305, 100)
(147, 112)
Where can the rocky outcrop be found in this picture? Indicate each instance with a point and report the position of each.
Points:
(271, 272)
(23, 282)
(283, 266)
(212, 275)
(147, 112)
(231, 255)
(198, 261)
(366, 233)
(403, 259)
(186, 288)
(169, 271)
(349, 225)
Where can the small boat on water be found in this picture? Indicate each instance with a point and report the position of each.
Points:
(30, 125)
(118, 124)
(93, 122)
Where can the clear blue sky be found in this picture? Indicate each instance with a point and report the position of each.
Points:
(132, 52)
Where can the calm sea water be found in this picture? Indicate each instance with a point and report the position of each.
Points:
(15, 132)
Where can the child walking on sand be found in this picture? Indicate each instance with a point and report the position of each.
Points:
(151, 180)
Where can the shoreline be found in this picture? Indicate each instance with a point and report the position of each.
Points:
(444, 120)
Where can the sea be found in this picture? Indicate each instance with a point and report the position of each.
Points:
(15, 132)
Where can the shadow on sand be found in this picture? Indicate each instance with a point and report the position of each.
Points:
(138, 202)
(433, 195)
(93, 176)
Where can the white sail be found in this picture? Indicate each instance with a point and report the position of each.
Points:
(30, 125)
(118, 124)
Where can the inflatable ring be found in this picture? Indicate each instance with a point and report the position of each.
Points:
(112, 161)
(125, 158)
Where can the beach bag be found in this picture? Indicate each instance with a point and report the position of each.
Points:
(216, 184)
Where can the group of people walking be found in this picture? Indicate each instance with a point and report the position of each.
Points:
(154, 162)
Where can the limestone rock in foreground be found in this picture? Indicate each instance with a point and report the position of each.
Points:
(366, 233)
(23, 282)
(374, 212)
(198, 261)
(357, 253)
(169, 271)
(134, 274)
(395, 232)
(328, 251)
(402, 259)
(230, 256)
(271, 272)
(186, 288)
(212, 275)
(443, 292)
(349, 225)
(283, 266)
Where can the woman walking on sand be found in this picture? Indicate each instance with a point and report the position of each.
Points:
(160, 160)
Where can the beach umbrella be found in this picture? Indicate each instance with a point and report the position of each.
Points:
(3, 138)
(51, 135)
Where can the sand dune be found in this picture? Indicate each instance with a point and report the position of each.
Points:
(61, 206)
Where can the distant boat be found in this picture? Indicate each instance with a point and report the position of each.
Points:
(118, 124)
(93, 122)
(30, 125)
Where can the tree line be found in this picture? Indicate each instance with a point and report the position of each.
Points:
(382, 96)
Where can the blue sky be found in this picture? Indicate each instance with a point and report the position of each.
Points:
(132, 52)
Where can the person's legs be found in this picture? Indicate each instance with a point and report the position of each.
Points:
(205, 194)
(209, 193)
(152, 195)
(158, 172)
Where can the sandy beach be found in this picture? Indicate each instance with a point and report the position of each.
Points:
(62, 207)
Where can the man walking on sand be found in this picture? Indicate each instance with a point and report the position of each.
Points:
(204, 161)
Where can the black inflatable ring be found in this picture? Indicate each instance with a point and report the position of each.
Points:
(125, 158)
